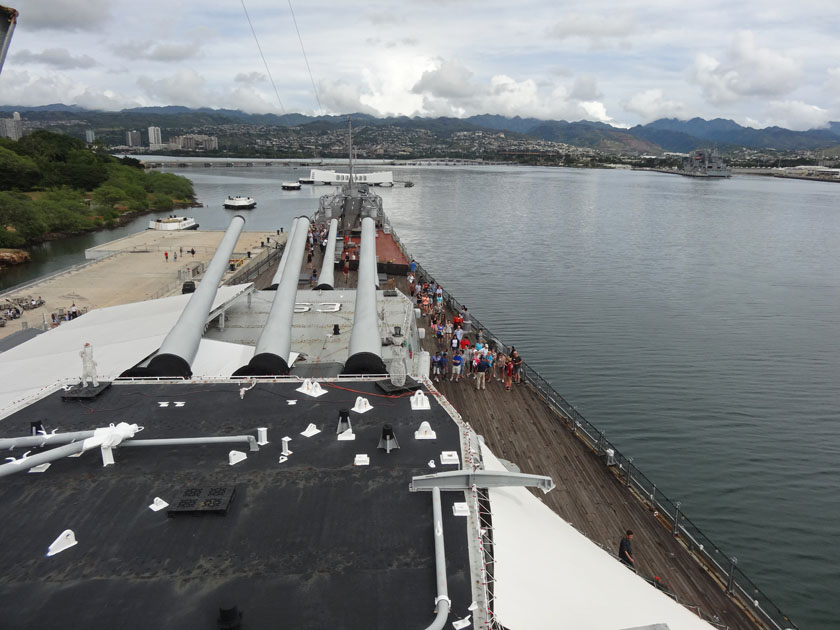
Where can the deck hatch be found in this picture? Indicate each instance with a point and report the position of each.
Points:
(196, 501)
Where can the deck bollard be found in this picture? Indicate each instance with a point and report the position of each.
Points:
(730, 582)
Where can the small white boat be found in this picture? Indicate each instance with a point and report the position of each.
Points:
(290, 185)
(173, 223)
(240, 203)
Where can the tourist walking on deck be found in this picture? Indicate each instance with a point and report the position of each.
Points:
(166, 256)
(481, 371)
(625, 550)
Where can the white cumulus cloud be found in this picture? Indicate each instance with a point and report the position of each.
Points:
(593, 26)
(747, 70)
(157, 52)
(55, 57)
(65, 15)
(798, 116)
(652, 105)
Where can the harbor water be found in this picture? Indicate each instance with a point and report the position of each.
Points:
(696, 322)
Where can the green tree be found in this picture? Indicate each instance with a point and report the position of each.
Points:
(17, 171)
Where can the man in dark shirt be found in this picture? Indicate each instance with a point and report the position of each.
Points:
(481, 370)
(625, 550)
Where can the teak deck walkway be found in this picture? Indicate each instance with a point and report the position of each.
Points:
(520, 427)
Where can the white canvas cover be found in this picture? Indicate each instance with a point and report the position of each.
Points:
(549, 575)
(121, 337)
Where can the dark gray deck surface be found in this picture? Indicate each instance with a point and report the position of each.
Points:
(311, 543)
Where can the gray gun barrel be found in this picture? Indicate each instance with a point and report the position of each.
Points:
(8, 19)
(178, 350)
(365, 349)
(271, 356)
(327, 276)
(282, 266)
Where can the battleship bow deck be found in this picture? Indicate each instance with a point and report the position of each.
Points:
(312, 542)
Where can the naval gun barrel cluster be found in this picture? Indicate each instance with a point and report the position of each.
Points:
(271, 356)
(180, 346)
(365, 349)
(327, 277)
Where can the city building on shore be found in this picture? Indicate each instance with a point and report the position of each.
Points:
(11, 127)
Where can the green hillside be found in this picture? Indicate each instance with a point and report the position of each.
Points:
(54, 184)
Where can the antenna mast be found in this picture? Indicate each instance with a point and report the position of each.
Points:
(350, 144)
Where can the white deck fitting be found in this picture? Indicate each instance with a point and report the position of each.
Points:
(462, 623)
(158, 504)
(66, 540)
(425, 432)
(262, 436)
(234, 457)
(419, 401)
(361, 460)
(121, 335)
(346, 435)
(449, 458)
(460, 509)
(362, 405)
(40, 468)
(310, 430)
(311, 387)
(547, 574)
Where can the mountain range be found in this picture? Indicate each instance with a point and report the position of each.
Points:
(669, 134)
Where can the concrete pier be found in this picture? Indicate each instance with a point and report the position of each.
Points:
(135, 268)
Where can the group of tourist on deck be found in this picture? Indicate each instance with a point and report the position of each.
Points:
(459, 357)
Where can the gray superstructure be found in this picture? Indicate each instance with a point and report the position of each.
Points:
(704, 163)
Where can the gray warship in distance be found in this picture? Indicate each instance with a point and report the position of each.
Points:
(704, 163)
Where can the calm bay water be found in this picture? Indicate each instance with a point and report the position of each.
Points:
(696, 322)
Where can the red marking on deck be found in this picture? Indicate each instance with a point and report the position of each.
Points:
(387, 249)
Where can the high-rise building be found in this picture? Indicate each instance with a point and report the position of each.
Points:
(195, 142)
(133, 139)
(11, 127)
(154, 137)
(90, 136)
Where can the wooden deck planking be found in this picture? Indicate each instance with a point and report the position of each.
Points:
(520, 427)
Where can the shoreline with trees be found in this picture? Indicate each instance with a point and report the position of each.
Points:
(53, 185)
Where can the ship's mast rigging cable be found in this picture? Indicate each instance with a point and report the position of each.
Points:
(305, 59)
(256, 39)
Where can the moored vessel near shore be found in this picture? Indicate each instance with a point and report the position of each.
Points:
(290, 185)
(240, 203)
(173, 223)
(704, 163)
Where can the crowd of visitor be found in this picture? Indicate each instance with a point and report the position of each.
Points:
(458, 356)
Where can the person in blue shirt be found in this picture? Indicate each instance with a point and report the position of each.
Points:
(444, 362)
(436, 366)
(413, 267)
(457, 362)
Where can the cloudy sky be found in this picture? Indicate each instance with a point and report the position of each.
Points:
(624, 62)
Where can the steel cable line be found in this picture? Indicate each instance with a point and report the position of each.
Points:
(305, 59)
(256, 39)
